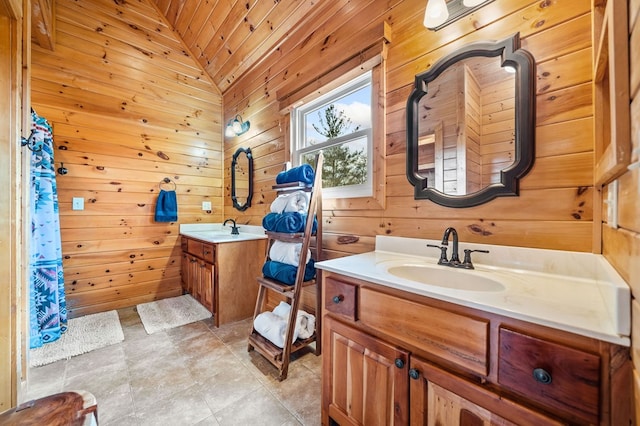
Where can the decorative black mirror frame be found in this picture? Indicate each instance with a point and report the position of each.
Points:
(525, 111)
(234, 161)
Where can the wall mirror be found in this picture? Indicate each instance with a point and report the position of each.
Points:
(471, 124)
(242, 179)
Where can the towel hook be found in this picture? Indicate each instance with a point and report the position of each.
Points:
(167, 181)
(30, 143)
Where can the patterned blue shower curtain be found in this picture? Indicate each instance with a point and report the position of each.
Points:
(48, 308)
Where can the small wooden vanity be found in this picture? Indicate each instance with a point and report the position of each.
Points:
(393, 357)
(222, 276)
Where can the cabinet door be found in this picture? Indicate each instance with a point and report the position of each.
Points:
(184, 273)
(194, 277)
(367, 381)
(440, 398)
(206, 285)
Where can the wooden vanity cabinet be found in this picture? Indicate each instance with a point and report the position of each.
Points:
(394, 358)
(222, 277)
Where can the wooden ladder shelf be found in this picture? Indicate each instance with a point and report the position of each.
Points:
(280, 357)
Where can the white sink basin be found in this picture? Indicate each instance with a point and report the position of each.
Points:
(457, 279)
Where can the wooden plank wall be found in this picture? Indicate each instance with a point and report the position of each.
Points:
(555, 207)
(621, 246)
(14, 51)
(129, 106)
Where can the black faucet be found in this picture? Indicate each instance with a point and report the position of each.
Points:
(234, 228)
(455, 258)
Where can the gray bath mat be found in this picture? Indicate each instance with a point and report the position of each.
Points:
(84, 334)
(172, 312)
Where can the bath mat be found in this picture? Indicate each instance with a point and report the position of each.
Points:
(172, 312)
(84, 334)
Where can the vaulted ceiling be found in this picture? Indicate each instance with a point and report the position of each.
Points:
(227, 37)
(230, 37)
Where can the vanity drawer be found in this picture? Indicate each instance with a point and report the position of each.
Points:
(458, 338)
(208, 251)
(340, 297)
(205, 251)
(194, 247)
(551, 374)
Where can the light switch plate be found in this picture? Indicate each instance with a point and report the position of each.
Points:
(206, 205)
(78, 203)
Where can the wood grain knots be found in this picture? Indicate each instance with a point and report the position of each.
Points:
(553, 32)
(128, 108)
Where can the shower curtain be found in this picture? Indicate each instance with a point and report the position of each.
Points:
(48, 308)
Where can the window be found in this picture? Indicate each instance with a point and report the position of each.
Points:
(338, 123)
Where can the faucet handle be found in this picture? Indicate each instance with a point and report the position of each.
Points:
(443, 254)
(466, 263)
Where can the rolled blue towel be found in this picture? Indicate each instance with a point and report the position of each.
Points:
(284, 222)
(287, 273)
(289, 222)
(303, 173)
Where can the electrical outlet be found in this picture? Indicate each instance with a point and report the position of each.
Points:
(206, 205)
(78, 203)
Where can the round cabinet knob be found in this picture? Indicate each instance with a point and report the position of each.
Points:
(338, 299)
(414, 374)
(542, 376)
(399, 363)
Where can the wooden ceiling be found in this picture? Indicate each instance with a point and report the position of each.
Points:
(227, 37)
(230, 37)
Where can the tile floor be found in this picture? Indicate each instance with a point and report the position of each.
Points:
(191, 375)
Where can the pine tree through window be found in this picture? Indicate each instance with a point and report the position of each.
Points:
(339, 125)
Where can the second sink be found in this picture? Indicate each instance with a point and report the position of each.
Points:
(449, 278)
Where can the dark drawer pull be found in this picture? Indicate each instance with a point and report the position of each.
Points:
(337, 299)
(414, 374)
(542, 376)
(399, 363)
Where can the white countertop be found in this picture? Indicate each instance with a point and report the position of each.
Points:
(217, 233)
(572, 291)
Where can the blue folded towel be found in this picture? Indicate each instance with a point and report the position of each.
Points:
(166, 207)
(287, 273)
(289, 222)
(303, 173)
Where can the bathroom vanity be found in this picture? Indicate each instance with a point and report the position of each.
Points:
(543, 339)
(219, 269)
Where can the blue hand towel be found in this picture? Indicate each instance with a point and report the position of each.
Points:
(287, 273)
(166, 207)
(303, 173)
(289, 222)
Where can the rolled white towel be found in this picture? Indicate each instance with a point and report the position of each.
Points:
(305, 322)
(272, 327)
(288, 253)
(282, 310)
(297, 201)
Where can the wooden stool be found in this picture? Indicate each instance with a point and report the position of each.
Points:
(76, 408)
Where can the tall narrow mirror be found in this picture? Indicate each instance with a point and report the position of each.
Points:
(470, 124)
(242, 179)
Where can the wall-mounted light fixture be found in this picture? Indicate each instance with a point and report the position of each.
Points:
(236, 127)
(440, 13)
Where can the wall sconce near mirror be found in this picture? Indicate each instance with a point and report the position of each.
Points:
(471, 124)
(236, 127)
(439, 13)
(242, 179)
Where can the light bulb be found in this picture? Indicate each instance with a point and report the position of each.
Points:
(436, 13)
(237, 126)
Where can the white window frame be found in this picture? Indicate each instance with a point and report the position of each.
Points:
(298, 135)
